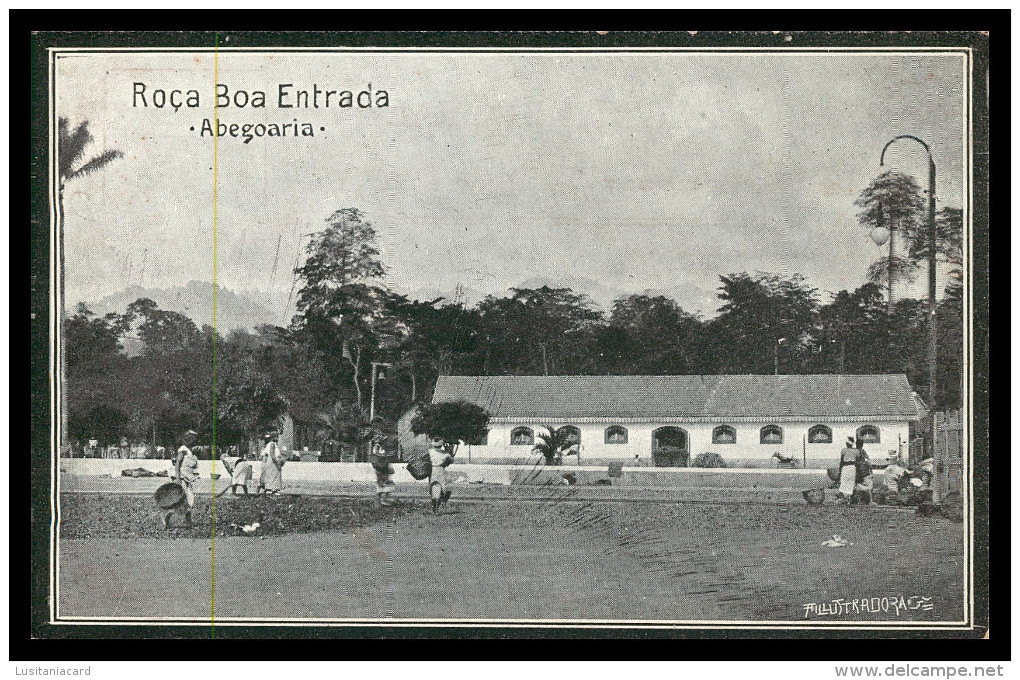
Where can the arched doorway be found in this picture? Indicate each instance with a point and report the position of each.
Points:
(670, 447)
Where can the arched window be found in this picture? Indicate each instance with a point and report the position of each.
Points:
(522, 436)
(573, 433)
(616, 434)
(724, 434)
(819, 434)
(771, 434)
(868, 434)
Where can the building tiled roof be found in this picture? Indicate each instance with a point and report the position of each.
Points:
(684, 396)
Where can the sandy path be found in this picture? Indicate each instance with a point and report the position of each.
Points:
(505, 560)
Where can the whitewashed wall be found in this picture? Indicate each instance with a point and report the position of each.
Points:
(746, 452)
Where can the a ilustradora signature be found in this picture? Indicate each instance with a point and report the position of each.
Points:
(869, 605)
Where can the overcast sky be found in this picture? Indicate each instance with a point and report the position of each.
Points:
(652, 170)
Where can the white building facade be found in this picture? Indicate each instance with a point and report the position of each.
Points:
(670, 420)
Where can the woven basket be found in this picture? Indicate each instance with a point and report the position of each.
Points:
(420, 468)
(170, 495)
(814, 496)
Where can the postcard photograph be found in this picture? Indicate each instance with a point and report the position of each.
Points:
(544, 336)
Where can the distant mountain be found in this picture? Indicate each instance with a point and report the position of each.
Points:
(194, 300)
(248, 309)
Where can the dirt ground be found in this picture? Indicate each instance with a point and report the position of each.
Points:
(555, 558)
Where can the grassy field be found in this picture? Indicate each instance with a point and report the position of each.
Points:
(553, 558)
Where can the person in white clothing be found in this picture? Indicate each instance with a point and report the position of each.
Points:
(240, 472)
(440, 455)
(186, 473)
(271, 477)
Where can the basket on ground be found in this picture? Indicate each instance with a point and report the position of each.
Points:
(814, 496)
(170, 495)
(420, 468)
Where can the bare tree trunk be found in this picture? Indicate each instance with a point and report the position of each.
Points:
(356, 365)
(414, 389)
(892, 265)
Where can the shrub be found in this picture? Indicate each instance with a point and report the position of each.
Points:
(669, 456)
(454, 422)
(709, 460)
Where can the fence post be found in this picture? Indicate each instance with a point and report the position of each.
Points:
(947, 450)
(938, 419)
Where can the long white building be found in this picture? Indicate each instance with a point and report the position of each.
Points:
(669, 420)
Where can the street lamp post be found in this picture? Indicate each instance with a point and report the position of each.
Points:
(382, 376)
(880, 235)
(931, 259)
(779, 342)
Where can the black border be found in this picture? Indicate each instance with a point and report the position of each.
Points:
(39, 464)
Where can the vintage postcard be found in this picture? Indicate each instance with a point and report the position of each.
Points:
(667, 331)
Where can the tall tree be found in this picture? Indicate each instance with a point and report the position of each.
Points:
(168, 388)
(540, 331)
(893, 201)
(948, 246)
(341, 294)
(853, 334)
(94, 365)
(765, 323)
(653, 335)
(163, 331)
(441, 338)
(299, 368)
(71, 147)
(248, 400)
(950, 327)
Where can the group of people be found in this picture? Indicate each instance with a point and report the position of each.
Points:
(240, 471)
(440, 453)
(382, 457)
(271, 475)
(92, 448)
(856, 479)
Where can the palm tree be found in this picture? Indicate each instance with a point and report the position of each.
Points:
(893, 201)
(553, 444)
(71, 145)
(344, 425)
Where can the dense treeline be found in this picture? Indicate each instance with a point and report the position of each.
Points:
(319, 368)
(767, 324)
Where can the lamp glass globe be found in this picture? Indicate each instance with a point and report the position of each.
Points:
(880, 235)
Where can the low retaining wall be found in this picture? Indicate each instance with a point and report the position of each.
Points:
(733, 463)
(491, 474)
